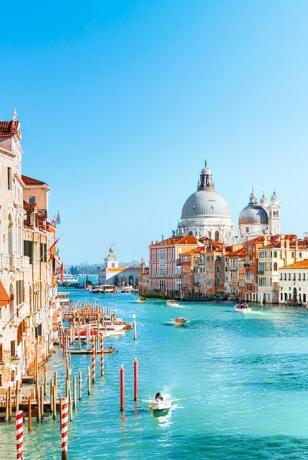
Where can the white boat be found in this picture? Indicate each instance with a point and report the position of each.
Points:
(242, 307)
(160, 407)
(172, 303)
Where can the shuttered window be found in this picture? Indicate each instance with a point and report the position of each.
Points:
(28, 249)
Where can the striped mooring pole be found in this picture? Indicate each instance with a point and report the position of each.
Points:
(102, 355)
(93, 360)
(64, 427)
(20, 434)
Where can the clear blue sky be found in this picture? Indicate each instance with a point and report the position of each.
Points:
(121, 101)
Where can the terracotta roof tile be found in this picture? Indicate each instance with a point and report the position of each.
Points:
(9, 127)
(301, 264)
(31, 181)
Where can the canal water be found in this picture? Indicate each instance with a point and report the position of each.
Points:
(238, 384)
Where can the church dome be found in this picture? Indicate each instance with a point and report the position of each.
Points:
(205, 203)
(253, 214)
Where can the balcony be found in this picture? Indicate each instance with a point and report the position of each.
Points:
(260, 272)
(4, 261)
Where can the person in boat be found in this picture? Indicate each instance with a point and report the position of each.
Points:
(158, 397)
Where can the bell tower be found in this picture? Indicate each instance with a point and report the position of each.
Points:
(274, 215)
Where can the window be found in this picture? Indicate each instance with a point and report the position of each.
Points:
(43, 252)
(275, 266)
(28, 249)
(32, 199)
(13, 348)
(9, 178)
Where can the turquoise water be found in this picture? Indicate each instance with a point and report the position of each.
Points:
(238, 383)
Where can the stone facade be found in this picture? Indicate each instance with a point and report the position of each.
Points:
(27, 285)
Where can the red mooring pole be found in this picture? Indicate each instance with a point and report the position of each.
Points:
(20, 434)
(122, 390)
(135, 379)
(64, 427)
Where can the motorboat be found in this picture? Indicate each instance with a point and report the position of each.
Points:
(160, 407)
(172, 303)
(140, 300)
(242, 307)
(180, 321)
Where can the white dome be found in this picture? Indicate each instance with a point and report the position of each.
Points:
(205, 212)
(204, 203)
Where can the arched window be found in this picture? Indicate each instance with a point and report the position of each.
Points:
(275, 266)
(210, 234)
(216, 236)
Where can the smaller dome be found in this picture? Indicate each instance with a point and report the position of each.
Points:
(253, 214)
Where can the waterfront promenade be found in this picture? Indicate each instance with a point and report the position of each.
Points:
(238, 383)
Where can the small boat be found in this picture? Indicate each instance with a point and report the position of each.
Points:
(242, 307)
(172, 303)
(180, 321)
(140, 300)
(160, 407)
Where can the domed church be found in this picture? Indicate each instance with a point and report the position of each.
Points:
(206, 212)
(260, 218)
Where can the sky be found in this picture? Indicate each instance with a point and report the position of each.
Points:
(122, 101)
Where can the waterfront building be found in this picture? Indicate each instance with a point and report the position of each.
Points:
(277, 252)
(40, 276)
(235, 273)
(250, 291)
(187, 262)
(209, 269)
(206, 213)
(164, 264)
(293, 282)
(259, 218)
(114, 274)
(12, 260)
(27, 287)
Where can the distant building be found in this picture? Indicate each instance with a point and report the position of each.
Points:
(294, 283)
(165, 263)
(112, 273)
